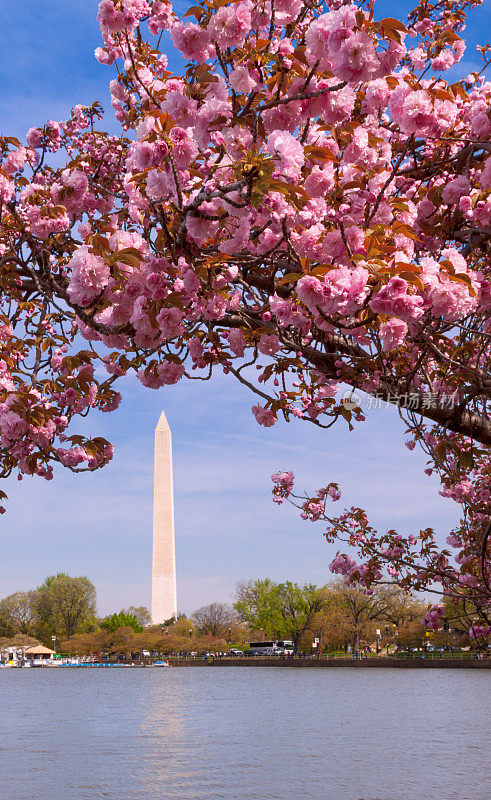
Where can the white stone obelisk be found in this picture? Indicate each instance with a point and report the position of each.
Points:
(164, 594)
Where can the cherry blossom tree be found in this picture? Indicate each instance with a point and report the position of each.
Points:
(415, 562)
(306, 208)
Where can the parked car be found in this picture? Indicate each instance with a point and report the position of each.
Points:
(235, 652)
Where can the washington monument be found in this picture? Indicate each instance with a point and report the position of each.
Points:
(164, 595)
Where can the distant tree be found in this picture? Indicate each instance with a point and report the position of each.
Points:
(84, 643)
(459, 623)
(183, 627)
(122, 620)
(286, 610)
(122, 640)
(6, 628)
(256, 603)
(168, 622)
(141, 613)
(64, 604)
(18, 611)
(170, 642)
(214, 619)
(358, 610)
(411, 634)
(19, 640)
(332, 629)
(46, 625)
(329, 624)
(208, 643)
(400, 607)
(401, 622)
(298, 607)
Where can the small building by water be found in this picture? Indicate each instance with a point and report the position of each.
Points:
(27, 655)
(38, 655)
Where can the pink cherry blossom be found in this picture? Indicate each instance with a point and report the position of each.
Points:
(268, 344)
(89, 276)
(393, 333)
(455, 189)
(230, 25)
(192, 41)
(287, 151)
(160, 16)
(264, 416)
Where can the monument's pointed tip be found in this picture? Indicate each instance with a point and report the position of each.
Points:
(162, 424)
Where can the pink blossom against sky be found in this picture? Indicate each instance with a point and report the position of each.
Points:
(227, 527)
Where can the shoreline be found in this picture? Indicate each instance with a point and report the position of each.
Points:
(302, 663)
(363, 663)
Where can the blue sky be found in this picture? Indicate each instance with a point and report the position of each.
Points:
(227, 527)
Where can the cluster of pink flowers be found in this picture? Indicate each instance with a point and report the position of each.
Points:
(7, 189)
(284, 148)
(228, 27)
(394, 300)
(343, 565)
(231, 24)
(479, 631)
(161, 375)
(283, 486)
(264, 416)
(334, 43)
(433, 616)
(161, 16)
(49, 136)
(113, 16)
(343, 291)
(450, 299)
(417, 112)
(192, 41)
(312, 509)
(449, 56)
(89, 276)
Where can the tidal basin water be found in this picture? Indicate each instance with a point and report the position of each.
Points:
(244, 734)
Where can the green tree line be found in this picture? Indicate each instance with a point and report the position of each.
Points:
(60, 608)
(339, 617)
